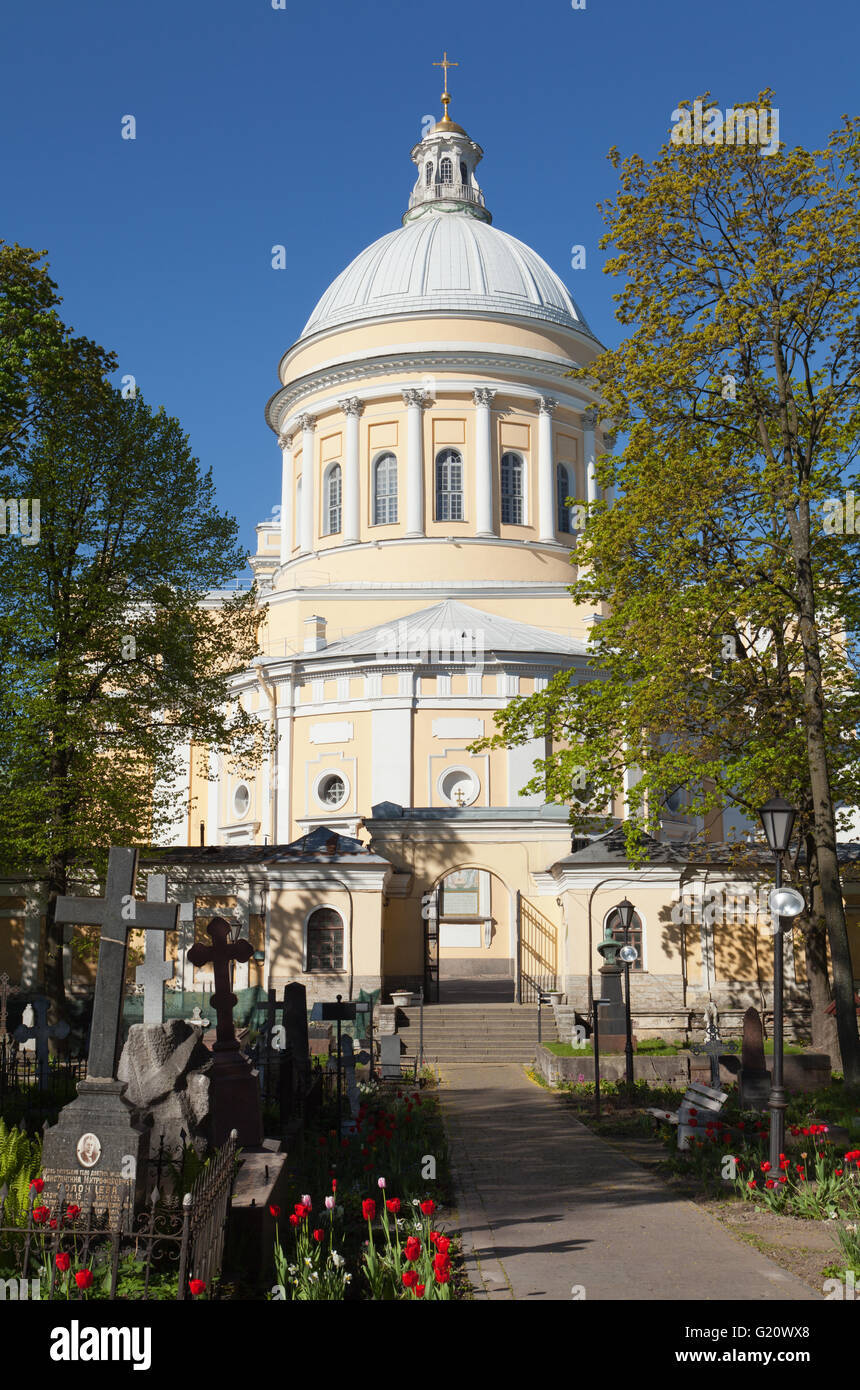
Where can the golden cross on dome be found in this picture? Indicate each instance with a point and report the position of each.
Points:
(446, 97)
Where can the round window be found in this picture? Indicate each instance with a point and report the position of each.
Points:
(458, 787)
(332, 790)
(241, 800)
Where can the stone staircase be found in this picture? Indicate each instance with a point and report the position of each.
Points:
(484, 1033)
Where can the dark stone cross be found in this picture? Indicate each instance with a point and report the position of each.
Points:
(41, 1030)
(233, 1086)
(117, 914)
(5, 990)
(223, 951)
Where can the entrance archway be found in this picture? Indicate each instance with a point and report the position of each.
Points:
(474, 944)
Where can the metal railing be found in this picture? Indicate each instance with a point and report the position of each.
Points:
(434, 192)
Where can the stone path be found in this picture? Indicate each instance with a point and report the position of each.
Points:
(544, 1205)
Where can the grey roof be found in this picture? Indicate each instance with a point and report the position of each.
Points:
(428, 629)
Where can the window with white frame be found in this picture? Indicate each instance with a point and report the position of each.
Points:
(615, 932)
(512, 490)
(446, 171)
(562, 479)
(333, 499)
(449, 486)
(325, 940)
(385, 490)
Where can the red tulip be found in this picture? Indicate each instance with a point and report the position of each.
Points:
(765, 1167)
(196, 1286)
(410, 1278)
(84, 1278)
(275, 1210)
(419, 1290)
(294, 1220)
(393, 1204)
(442, 1275)
(412, 1248)
(72, 1212)
(37, 1184)
(770, 1183)
(428, 1207)
(443, 1244)
(63, 1261)
(40, 1214)
(368, 1208)
(319, 1235)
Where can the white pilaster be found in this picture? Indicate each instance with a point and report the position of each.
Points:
(286, 496)
(212, 799)
(307, 423)
(483, 462)
(589, 421)
(352, 408)
(284, 727)
(415, 402)
(546, 470)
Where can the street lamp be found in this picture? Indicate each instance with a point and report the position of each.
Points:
(626, 912)
(777, 818)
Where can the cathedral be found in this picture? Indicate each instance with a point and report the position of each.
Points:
(435, 459)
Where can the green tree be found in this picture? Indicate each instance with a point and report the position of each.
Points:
(111, 656)
(727, 659)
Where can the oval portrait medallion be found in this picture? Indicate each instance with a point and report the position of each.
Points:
(89, 1150)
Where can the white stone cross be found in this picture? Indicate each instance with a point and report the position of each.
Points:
(155, 971)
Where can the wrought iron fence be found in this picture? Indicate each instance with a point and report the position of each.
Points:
(184, 1234)
(28, 1095)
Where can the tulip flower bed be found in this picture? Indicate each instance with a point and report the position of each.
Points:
(376, 1234)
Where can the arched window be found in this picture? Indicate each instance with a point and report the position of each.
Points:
(333, 499)
(464, 172)
(612, 928)
(449, 486)
(446, 171)
(428, 173)
(325, 940)
(512, 490)
(385, 490)
(562, 479)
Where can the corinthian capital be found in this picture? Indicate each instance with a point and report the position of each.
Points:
(415, 396)
(547, 405)
(589, 417)
(483, 395)
(351, 405)
(306, 422)
(285, 441)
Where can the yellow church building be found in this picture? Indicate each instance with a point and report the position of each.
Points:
(414, 579)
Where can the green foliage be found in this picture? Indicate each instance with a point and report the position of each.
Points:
(20, 1160)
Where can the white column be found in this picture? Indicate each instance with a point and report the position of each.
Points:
(307, 424)
(546, 470)
(284, 726)
(213, 799)
(286, 443)
(415, 402)
(352, 408)
(483, 462)
(589, 421)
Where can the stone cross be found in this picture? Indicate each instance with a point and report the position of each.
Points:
(41, 1031)
(155, 971)
(117, 914)
(223, 951)
(714, 1047)
(5, 990)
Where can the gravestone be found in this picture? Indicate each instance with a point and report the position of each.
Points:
(39, 1031)
(351, 1059)
(296, 1029)
(166, 1068)
(155, 971)
(5, 990)
(390, 1049)
(234, 1085)
(27, 1040)
(753, 1078)
(98, 1148)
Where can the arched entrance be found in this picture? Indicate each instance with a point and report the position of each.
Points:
(469, 942)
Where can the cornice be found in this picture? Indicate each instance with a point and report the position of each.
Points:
(283, 404)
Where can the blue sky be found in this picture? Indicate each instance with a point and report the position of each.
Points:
(258, 126)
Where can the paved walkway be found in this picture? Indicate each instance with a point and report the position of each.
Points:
(545, 1205)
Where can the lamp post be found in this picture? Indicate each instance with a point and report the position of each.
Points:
(626, 911)
(777, 818)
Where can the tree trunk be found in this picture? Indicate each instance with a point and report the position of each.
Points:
(55, 983)
(823, 1024)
